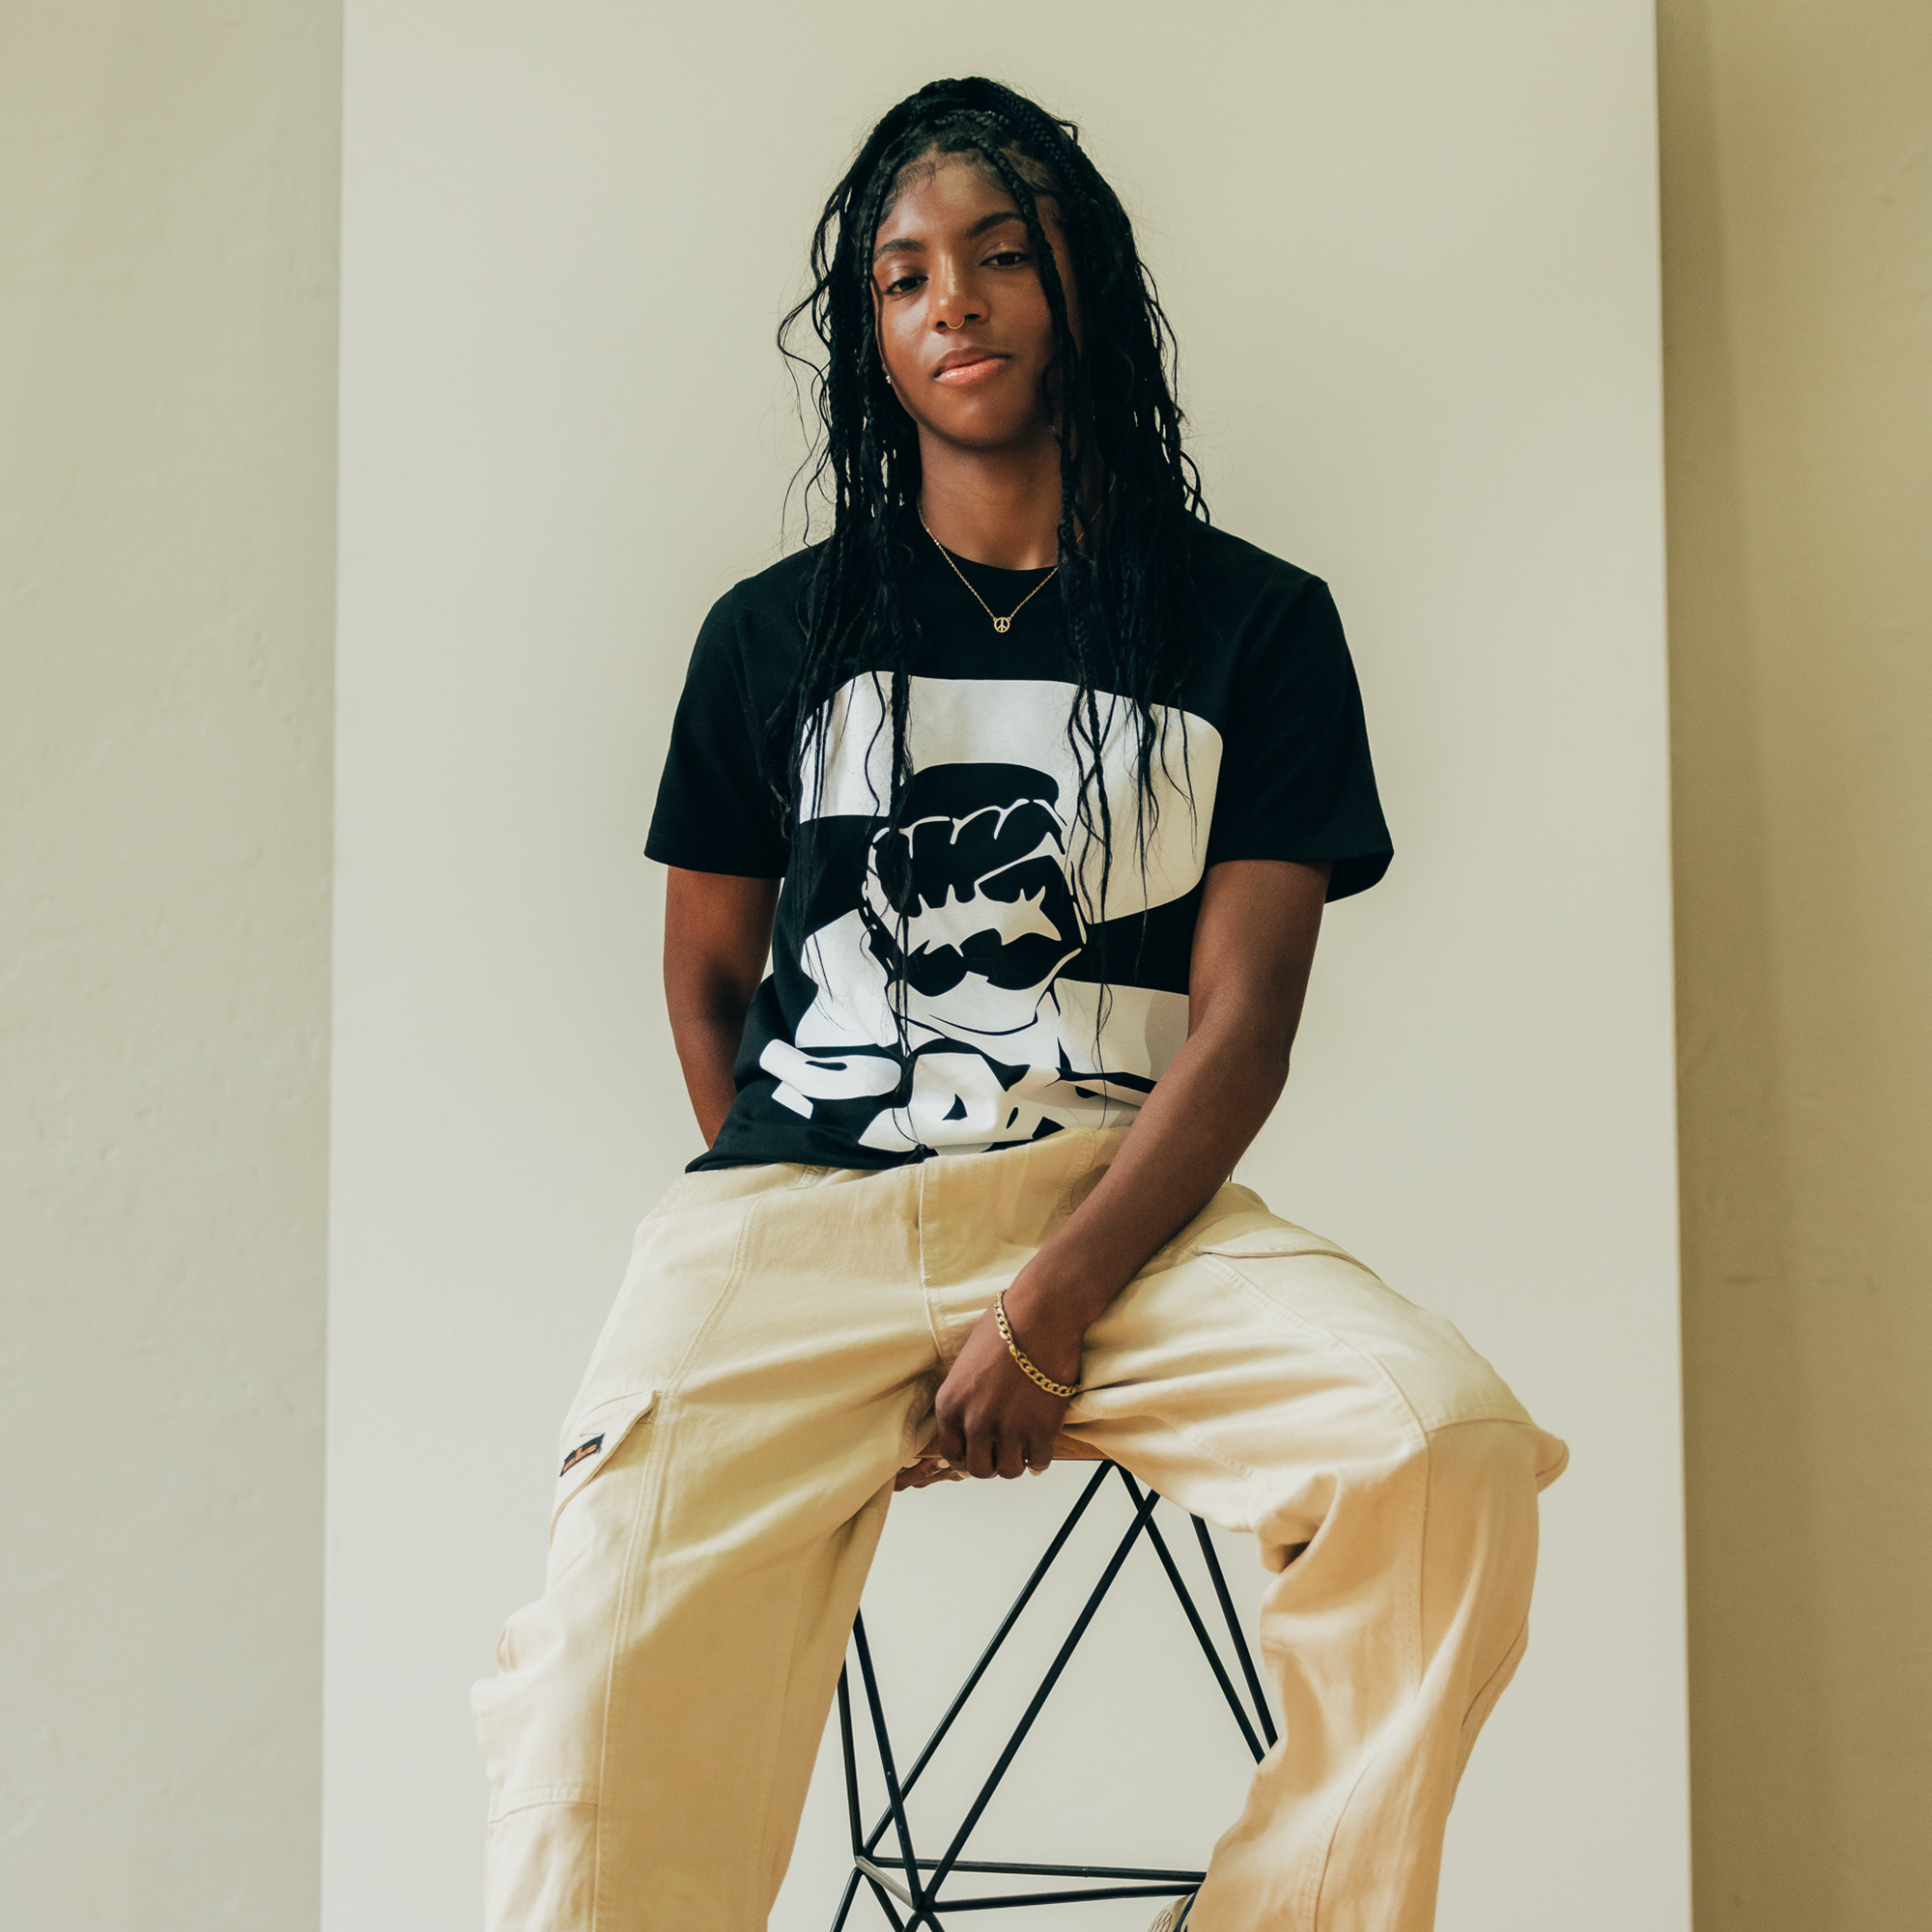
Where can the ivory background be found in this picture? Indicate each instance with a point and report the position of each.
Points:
(1412, 259)
(168, 219)
(167, 461)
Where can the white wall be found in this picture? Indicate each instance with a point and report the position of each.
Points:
(1411, 253)
(168, 470)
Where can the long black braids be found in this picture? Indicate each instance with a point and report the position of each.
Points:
(1129, 492)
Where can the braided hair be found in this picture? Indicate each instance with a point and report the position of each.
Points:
(1130, 496)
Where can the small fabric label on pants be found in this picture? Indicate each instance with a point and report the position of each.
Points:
(577, 1454)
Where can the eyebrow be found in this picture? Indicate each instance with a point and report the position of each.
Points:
(906, 245)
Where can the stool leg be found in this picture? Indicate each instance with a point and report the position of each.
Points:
(846, 1900)
(1006, 1624)
(1200, 1630)
(894, 1796)
(865, 1846)
(851, 1756)
(927, 1911)
(1241, 1650)
(1032, 1710)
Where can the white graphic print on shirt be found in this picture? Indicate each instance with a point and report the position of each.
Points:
(978, 904)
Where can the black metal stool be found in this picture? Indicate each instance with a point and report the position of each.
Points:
(908, 1886)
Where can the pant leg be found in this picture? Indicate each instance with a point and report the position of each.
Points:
(1265, 1381)
(727, 1470)
(1388, 1657)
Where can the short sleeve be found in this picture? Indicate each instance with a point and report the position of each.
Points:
(715, 811)
(1297, 781)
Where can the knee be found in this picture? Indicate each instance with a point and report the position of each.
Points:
(1493, 1458)
(1483, 1479)
(1482, 1457)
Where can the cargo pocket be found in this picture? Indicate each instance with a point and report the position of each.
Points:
(1317, 1288)
(594, 1435)
(1421, 1358)
(1271, 1243)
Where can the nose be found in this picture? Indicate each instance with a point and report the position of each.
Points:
(955, 303)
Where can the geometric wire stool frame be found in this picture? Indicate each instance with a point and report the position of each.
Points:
(914, 1882)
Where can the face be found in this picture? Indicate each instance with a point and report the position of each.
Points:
(964, 324)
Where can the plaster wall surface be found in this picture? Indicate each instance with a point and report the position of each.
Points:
(1797, 228)
(167, 278)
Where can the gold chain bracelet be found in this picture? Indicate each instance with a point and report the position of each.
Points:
(1065, 1391)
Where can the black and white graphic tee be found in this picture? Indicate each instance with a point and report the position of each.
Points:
(968, 982)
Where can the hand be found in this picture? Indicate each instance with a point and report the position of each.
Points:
(993, 1419)
(927, 1471)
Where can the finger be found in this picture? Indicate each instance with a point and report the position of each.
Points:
(1040, 1456)
(981, 1453)
(924, 1479)
(1012, 1458)
(949, 1442)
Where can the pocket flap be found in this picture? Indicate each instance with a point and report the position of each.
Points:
(592, 1438)
(1276, 1237)
(1236, 1223)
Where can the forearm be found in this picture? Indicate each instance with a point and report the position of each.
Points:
(1194, 1126)
(707, 1040)
(1254, 943)
(718, 928)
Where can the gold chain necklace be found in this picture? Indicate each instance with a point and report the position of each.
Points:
(1000, 624)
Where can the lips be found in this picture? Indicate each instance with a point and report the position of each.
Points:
(961, 366)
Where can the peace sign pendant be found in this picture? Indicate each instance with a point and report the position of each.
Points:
(1001, 625)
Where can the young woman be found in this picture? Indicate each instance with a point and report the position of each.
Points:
(1034, 785)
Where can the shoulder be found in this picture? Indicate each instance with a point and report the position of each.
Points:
(755, 631)
(1249, 596)
(768, 599)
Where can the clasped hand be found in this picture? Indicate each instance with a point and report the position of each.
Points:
(993, 1419)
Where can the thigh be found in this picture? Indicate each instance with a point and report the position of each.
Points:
(725, 1473)
(753, 1289)
(1251, 1362)
(744, 1412)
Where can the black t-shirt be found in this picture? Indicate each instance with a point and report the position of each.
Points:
(970, 982)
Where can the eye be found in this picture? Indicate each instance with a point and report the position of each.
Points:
(902, 285)
(1008, 258)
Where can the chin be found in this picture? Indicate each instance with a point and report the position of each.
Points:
(984, 432)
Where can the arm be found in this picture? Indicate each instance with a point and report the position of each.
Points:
(718, 934)
(1254, 943)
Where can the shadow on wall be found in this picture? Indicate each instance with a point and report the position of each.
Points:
(1798, 256)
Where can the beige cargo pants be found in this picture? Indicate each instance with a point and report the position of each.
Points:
(771, 1363)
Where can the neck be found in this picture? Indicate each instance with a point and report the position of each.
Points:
(993, 506)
